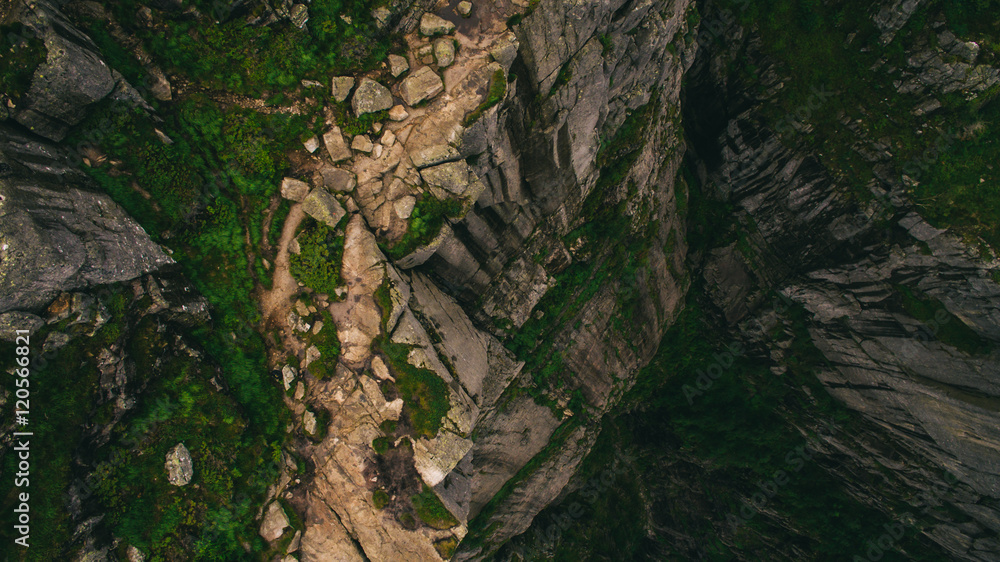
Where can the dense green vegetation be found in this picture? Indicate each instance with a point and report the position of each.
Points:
(425, 224)
(431, 511)
(496, 93)
(832, 81)
(328, 344)
(176, 402)
(318, 263)
(22, 54)
(220, 51)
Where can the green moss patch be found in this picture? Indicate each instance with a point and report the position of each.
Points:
(431, 511)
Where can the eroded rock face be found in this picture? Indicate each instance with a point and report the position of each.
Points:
(56, 232)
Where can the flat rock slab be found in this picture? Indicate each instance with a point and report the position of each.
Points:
(336, 146)
(294, 189)
(421, 85)
(370, 97)
(322, 206)
(275, 522)
(398, 65)
(340, 180)
(432, 25)
(342, 86)
(452, 176)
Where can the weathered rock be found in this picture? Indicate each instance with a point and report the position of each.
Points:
(299, 15)
(404, 207)
(288, 374)
(398, 65)
(432, 25)
(12, 322)
(434, 154)
(275, 522)
(179, 466)
(293, 189)
(370, 97)
(322, 206)
(342, 86)
(444, 52)
(134, 554)
(464, 8)
(398, 113)
(381, 15)
(311, 144)
(421, 85)
(362, 143)
(452, 176)
(336, 146)
(58, 232)
(339, 180)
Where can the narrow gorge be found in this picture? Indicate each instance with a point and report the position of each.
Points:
(501, 280)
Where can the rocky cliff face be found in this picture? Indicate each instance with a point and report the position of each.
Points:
(472, 371)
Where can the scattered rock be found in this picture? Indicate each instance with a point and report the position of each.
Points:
(398, 65)
(388, 139)
(382, 16)
(398, 113)
(362, 143)
(336, 146)
(444, 52)
(370, 97)
(404, 206)
(179, 466)
(309, 423)
(464, 8)
(133, 553)
(10, 322)
(299, 15)
(322, 206)
(312, 145)
(288, 374)
(275, 522)
(420, 85)
(311, 84)
(342, 86)
(294, 545)
(504, 50)
(294, 189)
(339, 180)
(426, 54)
(432, 25)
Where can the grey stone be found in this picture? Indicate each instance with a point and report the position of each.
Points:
(420, 85)
(398, 113)
(11, 322)
(275, 522)
(341, 87)
(336, 146)
(339, 180)
(293, 189)
(299, 15)
(370, 97)
(362, 143)
(404, 207)
(464, 8)
(452, 176)
(179, 467)
(432, 155)
(381, 16)
(444, 52)
(322, 206)
(398, 65)
(432, 25)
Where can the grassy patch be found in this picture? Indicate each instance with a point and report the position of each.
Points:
(380, 498)
(498, 89)
(425, 224)
(318, 264)
(431, 511)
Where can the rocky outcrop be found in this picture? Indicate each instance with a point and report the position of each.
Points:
(57, 232)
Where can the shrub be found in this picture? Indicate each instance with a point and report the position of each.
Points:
(426, 222)
(318, 264)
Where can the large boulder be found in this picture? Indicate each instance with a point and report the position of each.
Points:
(72, 78)
(179, 466)
(432, 25)
(57, 232)
(370, 97)
(293, 189)
(322, 206)
(336, 146)
(452, 176)
(421, 85)
(275, 522)
(444, 52)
